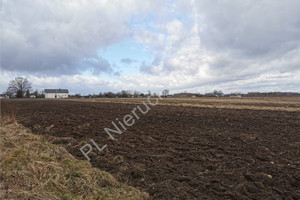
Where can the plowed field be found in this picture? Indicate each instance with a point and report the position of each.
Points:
(181, 151)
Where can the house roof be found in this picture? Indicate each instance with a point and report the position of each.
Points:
(56, 91)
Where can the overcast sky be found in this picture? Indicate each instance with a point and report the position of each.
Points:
(196, 46)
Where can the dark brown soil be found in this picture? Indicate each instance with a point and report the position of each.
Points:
(176, 152)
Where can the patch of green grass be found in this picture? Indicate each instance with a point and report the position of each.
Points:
(74, 175)
(19, 152)
(65, 197)
(45, 158)
(21, 162)
(15, 161)
(42, 140)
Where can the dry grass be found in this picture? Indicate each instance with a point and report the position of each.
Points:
(7, 117)
(32, 168)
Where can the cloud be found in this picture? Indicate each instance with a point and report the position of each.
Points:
(190, 45)
(51, 37)
(226, 44)
(149, 69)
(95, 65)
(252, 28)
(128, 61)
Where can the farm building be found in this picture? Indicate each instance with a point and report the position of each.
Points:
(56, 93)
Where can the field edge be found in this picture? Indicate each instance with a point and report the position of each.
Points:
(32, 167)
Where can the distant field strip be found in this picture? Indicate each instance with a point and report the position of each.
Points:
(276, 104)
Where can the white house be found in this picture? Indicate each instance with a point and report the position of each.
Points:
(56, 93)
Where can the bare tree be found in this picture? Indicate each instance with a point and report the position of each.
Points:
(136, 93)
(218, 93)
(18, 87)
(165, 92)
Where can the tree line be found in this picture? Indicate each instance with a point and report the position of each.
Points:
(20, 87)
(123, 94)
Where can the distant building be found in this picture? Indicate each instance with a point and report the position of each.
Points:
(56, 93)
(4, 96)
(32, 96)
